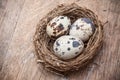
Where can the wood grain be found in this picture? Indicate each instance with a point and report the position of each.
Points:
(18, 19)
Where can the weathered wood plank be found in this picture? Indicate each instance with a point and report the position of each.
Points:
(9, 14)
(17, 27)
(3, 4)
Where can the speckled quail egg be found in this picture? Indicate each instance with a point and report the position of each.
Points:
(82, 28)
(58, 26)
(67, 47)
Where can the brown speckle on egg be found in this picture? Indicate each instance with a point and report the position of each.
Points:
(65, 32)
(84, 34)
(68, 49)
(72, 38)
(60, 27)
(76, 52)
(54, 29)
(54, 32)
(63, 53)
(77, 28)
(52, 36)
(57, 43)
(69, 26)
(53, 24)
(75, 44)
(56, 49)
(68, 42)
(62, 17)
(57, 19)
(58, 31)
(81, 25)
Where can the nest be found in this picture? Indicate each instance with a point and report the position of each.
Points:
(44, 45)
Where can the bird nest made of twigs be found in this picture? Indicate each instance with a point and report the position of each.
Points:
(44, 45)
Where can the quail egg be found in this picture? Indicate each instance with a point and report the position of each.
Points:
(67, 47)
(58, 26)
(82, 28)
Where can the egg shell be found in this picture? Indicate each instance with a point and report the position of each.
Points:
(68, 47)
(82, 28)
(58, 26)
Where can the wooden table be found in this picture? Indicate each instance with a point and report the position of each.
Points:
(18, 19)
